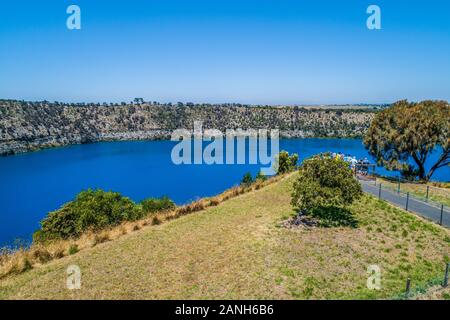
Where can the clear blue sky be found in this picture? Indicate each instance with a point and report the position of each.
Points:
(249, 51)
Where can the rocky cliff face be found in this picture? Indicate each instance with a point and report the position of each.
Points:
(26, 126)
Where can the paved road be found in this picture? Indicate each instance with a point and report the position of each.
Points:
(429, 211)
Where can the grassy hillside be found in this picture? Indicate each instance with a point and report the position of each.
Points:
(239, 250)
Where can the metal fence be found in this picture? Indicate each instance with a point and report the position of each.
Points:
(411, 292)
(425, 192)
(423, 206)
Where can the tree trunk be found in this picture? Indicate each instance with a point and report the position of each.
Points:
(421, 174)
(420, 164)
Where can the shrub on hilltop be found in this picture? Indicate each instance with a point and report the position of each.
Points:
(260, 176)
(324, 188)
(91, 210)
(247, 179)
(285, 162)
(153, 205)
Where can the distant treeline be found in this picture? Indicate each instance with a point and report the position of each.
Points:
(363, 107)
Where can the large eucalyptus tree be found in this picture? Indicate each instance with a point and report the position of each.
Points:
(411, 131)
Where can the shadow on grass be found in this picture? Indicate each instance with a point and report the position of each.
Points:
(334, 217)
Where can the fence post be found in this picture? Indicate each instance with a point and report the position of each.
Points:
(398, 187)
(407, 201)
(445, 284)
(442, 214)
(379, 191)
(408, 287)
(428, 191)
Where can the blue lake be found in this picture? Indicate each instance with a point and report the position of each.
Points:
(35, 183)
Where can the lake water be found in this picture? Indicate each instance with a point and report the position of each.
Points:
(35, 183)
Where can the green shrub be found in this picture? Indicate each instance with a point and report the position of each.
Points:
(324, 187)
(73, 249)
(333, 216)
(91, 210)
(153, 205)
(260, 176)
(247, 179)
(286, 163)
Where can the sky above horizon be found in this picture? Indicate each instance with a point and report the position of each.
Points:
(246, 51)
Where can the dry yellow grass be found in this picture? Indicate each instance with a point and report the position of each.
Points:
(237, 249)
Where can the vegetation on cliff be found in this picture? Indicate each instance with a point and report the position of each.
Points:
(95, 210)
(90, 210)
(26, 126)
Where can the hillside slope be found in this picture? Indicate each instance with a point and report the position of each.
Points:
(239, 250)
(26, 126)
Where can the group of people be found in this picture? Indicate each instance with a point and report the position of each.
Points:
(361, 163)
(347, 158)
